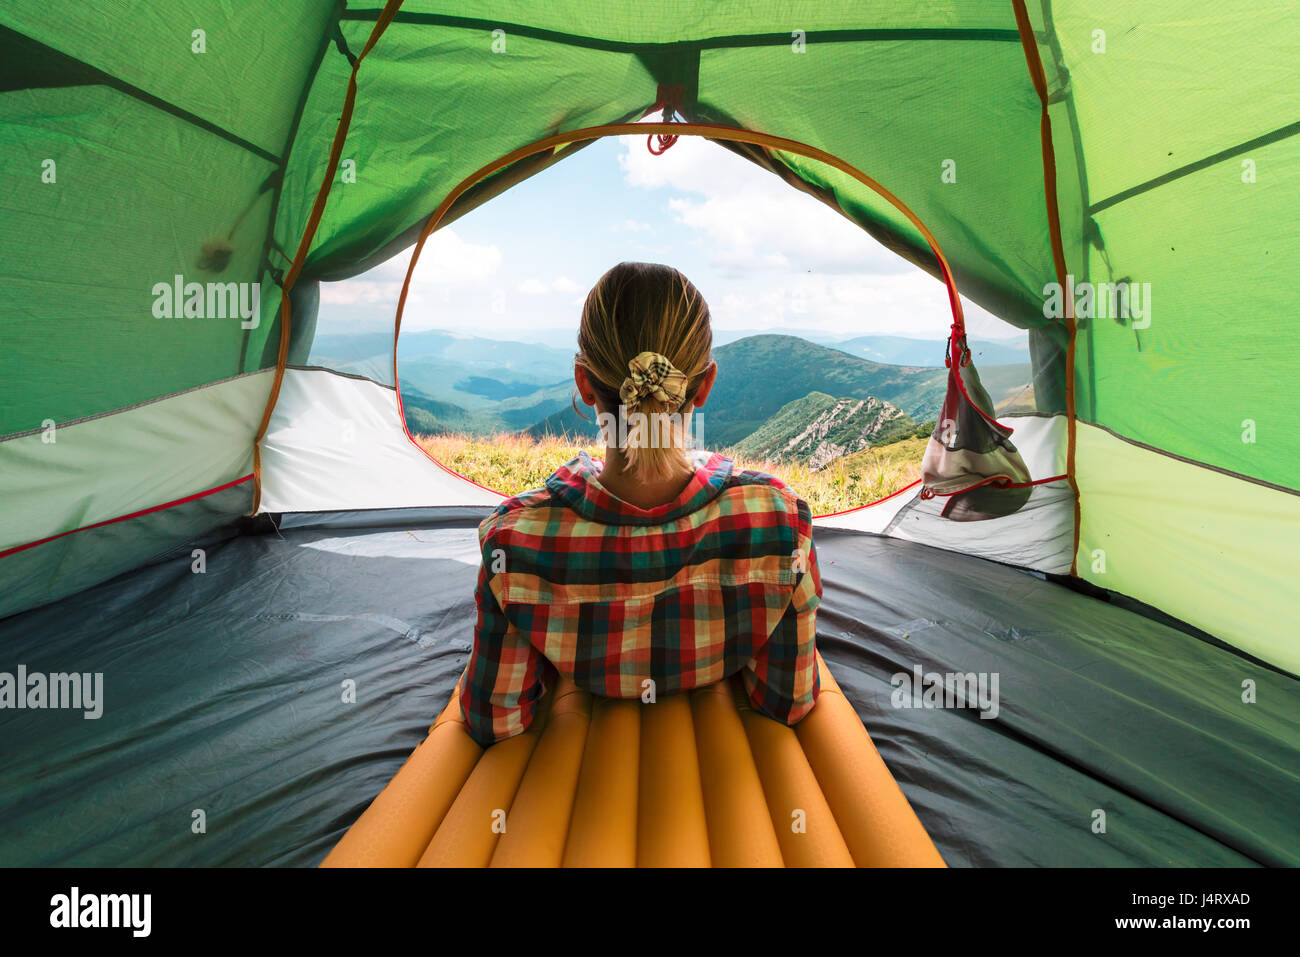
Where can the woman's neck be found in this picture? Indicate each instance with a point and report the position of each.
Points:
(642, 493)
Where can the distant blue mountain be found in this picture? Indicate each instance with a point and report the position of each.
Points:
(901, 351)
(471, 372)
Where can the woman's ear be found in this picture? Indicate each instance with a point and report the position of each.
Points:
(706, 385)
(585, 392)
(582, 378)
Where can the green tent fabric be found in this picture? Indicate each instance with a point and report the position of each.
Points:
(1079, 142)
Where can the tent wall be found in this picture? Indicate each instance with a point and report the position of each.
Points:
(102, 468)
(1185, 125)
(133, 139)
(1209, 548)
(128, 147)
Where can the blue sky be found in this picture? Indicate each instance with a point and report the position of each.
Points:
(763, 254)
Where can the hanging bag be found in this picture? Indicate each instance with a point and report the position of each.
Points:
(970, 459)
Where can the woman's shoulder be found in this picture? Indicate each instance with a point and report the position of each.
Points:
(714, 462)
(512, 506)
(783, 497)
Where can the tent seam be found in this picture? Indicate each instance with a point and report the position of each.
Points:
(844, 35)
(122, 518)
(1267, 139)
(339, 372)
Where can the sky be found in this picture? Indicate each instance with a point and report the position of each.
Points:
(763, 254)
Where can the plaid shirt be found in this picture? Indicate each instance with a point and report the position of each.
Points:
(577, 582)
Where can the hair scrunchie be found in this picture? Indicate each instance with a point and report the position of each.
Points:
(653, 376)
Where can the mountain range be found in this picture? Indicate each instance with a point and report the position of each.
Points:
(775, 395)
(759, 375)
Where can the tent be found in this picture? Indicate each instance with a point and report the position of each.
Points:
(227, 533)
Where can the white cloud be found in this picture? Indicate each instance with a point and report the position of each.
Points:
(446, 259)
(449, 259)
(785, 258)
(752, 221)
(692, 164)
(358, 292)
(909, 304)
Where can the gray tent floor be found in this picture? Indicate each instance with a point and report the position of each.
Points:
(224, 704)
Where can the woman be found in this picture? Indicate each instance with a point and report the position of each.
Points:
(656, 570)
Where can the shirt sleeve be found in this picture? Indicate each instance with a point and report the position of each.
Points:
(504, 679)
(781, 680)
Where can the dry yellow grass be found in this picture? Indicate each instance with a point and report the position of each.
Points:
(512, 463)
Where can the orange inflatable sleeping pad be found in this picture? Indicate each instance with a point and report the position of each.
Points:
(693, 780)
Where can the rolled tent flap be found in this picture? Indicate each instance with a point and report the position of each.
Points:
(970, 460)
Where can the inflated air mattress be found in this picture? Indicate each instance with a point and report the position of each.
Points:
(692, 780)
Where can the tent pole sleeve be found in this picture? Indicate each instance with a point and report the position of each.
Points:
(1039, 78)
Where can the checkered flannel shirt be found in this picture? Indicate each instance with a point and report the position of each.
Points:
(628, 601)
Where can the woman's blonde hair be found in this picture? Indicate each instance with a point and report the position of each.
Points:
(636, 308)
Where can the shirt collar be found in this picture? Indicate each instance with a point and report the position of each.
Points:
(576, 485)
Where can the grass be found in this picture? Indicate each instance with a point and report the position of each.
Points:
(512, 463)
